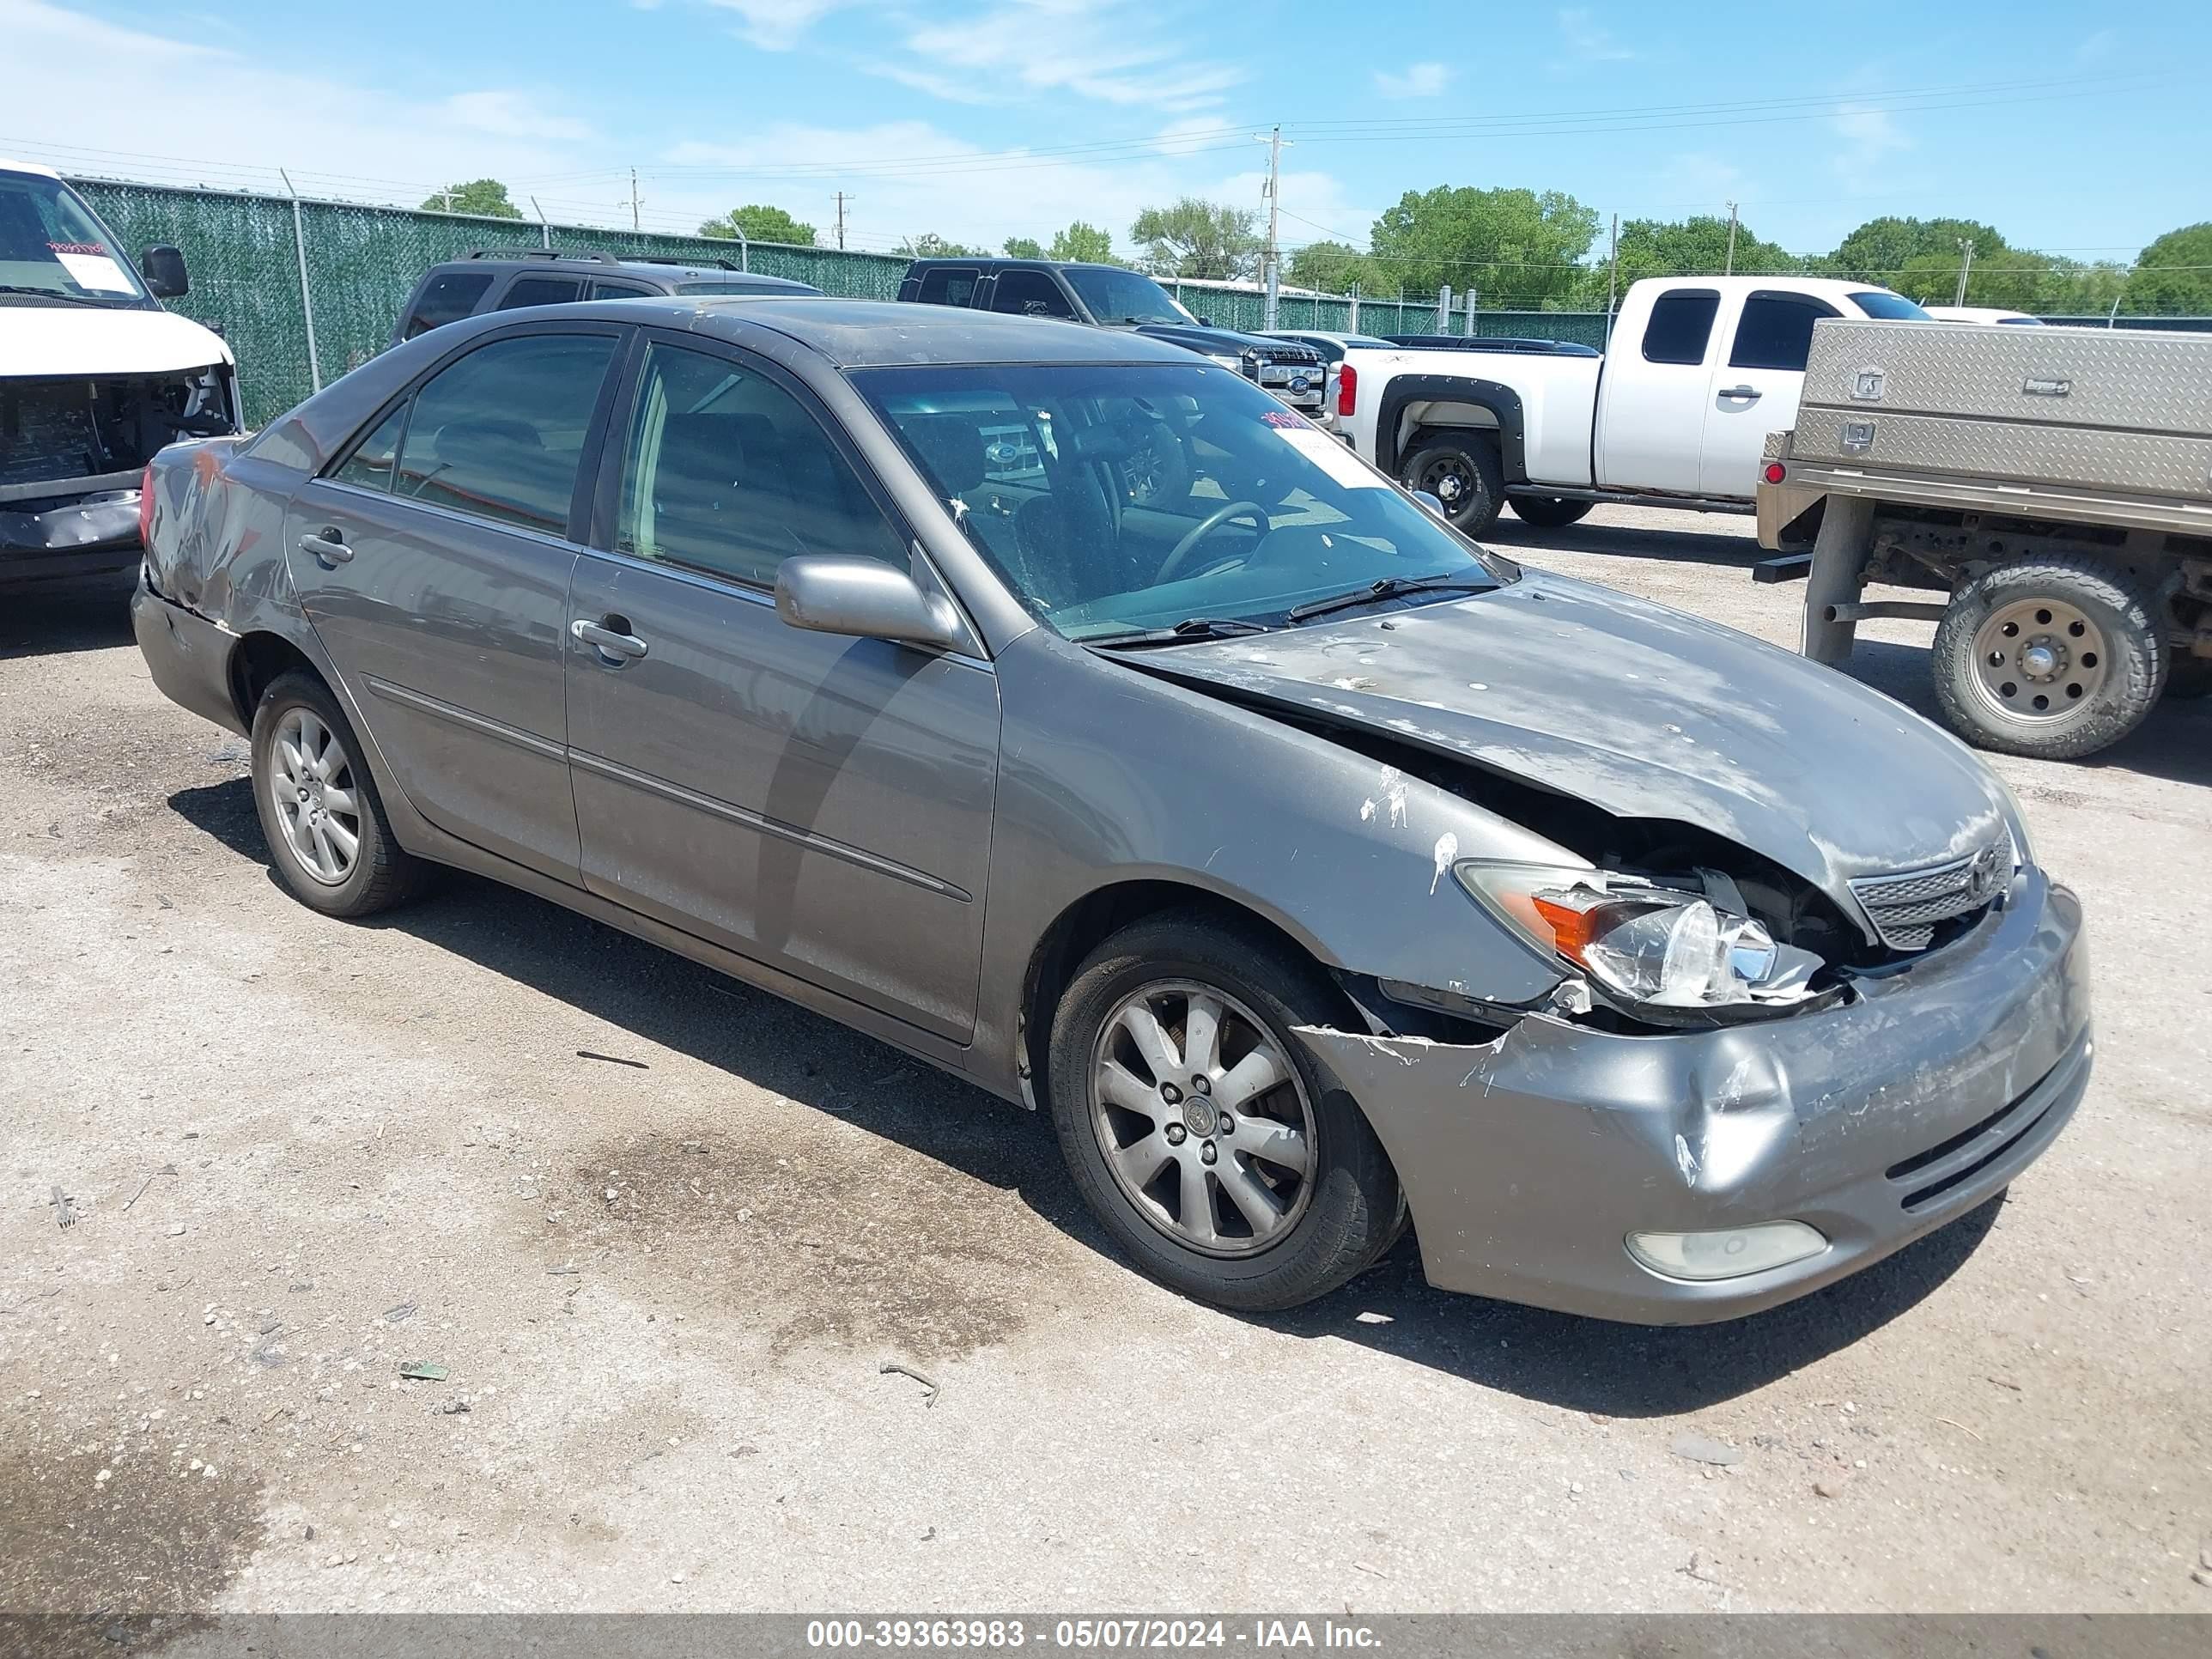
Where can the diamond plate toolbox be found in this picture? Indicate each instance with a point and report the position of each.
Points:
(2140, 463)
(2125, 379)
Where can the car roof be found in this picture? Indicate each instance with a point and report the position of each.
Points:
(583, 265)
(37, 169)
(874, 333)
(993, 261)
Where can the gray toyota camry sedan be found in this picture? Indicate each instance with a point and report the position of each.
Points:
(1057, 707)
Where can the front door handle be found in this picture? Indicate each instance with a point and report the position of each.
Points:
(612, 638)
(328, 546)
(1749, 394)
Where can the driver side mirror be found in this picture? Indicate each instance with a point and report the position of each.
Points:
(163, 268)
(834, 593)
(1434, 502)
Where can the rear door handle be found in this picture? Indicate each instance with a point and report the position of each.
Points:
(1749, 394)
(326, 546)
(612, 638)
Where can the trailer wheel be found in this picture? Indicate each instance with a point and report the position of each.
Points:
(1461, 470)
(2052, 658)
(1548, 512)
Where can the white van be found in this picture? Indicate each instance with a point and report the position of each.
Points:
(94, 378)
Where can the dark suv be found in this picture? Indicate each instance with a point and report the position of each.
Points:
(508, 278)
(1111, 296)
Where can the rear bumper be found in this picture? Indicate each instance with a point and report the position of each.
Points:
(189, 657)
(1528, 1161)
(82, 536)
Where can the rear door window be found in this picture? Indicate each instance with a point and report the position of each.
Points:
(445, 299)
(540, 291)
(1681, 326)
(1775, 330)
(605, 290)
(1030, 294)
(500, 434)
(948, 285)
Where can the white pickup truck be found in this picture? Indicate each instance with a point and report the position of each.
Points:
(1675, 413)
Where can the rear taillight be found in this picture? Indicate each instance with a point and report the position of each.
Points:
(146, 507)
(1348, 391)
(1775, 473)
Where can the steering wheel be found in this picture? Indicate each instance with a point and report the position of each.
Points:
(1199, 532)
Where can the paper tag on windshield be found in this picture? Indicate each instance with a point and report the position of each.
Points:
(91, 267)
(1329, 455)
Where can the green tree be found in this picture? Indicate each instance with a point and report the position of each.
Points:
(1337, 268)
(760, 223)
(1025, 247)
(1194, 238)
(1880, 249)
(1514, 247)
(1086, 243)
(2163, 284)
(485, 197)
(930, 246)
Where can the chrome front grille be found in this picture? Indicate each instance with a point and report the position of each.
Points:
(1906, 907)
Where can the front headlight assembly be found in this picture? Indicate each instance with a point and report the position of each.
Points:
(1643, 945)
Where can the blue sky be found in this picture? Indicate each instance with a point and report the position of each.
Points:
(2071, 128)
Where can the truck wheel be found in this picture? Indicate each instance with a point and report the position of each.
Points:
(2052, 658)
(1548, 512)
(1461, 470)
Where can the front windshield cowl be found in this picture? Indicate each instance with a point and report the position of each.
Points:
(1161, 502)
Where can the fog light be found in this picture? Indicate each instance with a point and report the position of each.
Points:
(1726, 1254)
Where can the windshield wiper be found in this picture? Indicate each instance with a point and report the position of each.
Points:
(1189, 629)
(51, 294)
(1389, 587)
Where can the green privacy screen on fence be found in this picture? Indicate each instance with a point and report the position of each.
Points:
(362, 262)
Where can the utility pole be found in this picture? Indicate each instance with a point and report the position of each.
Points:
(841, 221)
(1612, 272)
(1965, 247)
(1271, 273)
(1731, 252)
(633, 203)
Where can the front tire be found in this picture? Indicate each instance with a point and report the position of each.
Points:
(2053, 658)
(1461, 470)
(1222, 1156)
(1548, 512)
(328, 839)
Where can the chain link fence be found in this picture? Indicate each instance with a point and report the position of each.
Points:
(262, 265)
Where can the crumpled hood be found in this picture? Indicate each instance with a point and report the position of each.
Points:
(57, 341)
(1643, 712)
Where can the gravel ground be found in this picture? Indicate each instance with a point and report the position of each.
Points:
(665, 1286)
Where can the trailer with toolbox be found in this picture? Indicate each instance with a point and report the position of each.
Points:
(2054, 484)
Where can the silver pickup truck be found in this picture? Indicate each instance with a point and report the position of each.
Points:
(2055, 484)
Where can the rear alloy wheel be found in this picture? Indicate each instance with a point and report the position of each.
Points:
(2051, 658)
(1221, 1155)
(319, 807)
(1548, 512)
(1461, 470)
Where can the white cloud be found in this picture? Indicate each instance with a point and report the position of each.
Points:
(1103, 50)
(1588, 40)
(1867, 138)
(1419, 81)
(515, 115)
(775, 25)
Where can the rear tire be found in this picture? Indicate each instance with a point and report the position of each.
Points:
(329, 842)
(1321, 1224)
(1548, 512)
(1461, 470)
(2051, 658)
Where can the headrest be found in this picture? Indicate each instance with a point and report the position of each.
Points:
(951, 449)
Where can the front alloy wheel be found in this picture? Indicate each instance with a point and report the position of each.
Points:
(1206, 1127)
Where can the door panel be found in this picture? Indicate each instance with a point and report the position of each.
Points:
(1653, 402)
(820, 804)
(434, 565)
(1756, 384)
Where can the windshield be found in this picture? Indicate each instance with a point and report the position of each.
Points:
(50, 243)
(1889, 308)
(1123, 499)
(1125, 296)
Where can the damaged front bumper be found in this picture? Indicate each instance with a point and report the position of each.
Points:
(1529, 1161)
(81, 534)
